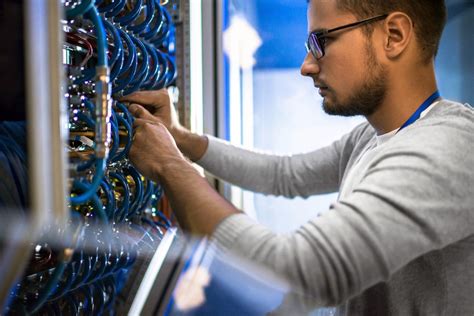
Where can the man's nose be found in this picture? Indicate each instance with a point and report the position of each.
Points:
(310, 66)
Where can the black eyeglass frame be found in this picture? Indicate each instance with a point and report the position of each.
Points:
(316, 40)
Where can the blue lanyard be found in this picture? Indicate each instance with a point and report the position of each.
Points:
(415, 116)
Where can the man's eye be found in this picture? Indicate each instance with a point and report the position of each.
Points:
(327, 40)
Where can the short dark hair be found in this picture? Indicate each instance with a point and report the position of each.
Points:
(429, 18)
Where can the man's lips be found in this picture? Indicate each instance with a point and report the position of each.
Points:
(320, 85)
(322, 89)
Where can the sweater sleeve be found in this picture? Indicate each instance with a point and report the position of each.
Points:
(402, 209)
(303, 175)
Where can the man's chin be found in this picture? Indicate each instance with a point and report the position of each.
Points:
(336, 109)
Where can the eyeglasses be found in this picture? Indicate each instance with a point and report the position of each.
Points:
(317, 40)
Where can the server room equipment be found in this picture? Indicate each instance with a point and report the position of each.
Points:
(82, 230)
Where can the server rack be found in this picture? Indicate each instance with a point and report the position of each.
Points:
(89, 234)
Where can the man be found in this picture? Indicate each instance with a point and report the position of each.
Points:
(399, 241)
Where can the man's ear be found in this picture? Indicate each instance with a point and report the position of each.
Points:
(398, 33)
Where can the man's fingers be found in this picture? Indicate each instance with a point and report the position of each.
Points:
(148, 98)
(140, 112)
(140, 122)
(137, 124)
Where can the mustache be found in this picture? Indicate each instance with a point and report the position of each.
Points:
(320, 83)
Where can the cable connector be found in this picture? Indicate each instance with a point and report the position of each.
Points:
(103, 112)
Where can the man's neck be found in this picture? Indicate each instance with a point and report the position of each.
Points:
(403, 98)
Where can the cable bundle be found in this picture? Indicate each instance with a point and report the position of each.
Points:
(113, 48)
(140, 38)
(13, 190)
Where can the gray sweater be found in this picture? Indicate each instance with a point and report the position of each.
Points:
(402, 241)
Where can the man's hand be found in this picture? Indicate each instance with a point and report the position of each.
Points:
(198, 207)
(159, 104)
(154, 149)
(156, 107)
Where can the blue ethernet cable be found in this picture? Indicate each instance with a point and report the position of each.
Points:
(48, 289)
(150, 13)
(91, 124)
(154, 74)
(81, 267)
(90, 107)
(160, 74)
(108, 264)
(110, 6)
(15, 130)
(104, 268)
(158, 192)
(165, 30)
(64, 284)
(94, 16)
(172, 73)
(115, 141)
(144, 69)
(73, 304)
(156, 25)
(14, 162)
(86, 119)
(127, 115)
(121, 83)
(111, 203)
(117, 9)
(117, 57)
(110, 283)
(130, 57)
(132, 256)
(138, 194)
(142, 74)
(114, 258)
(89, 267)
(121, 211)
(124, 153)
(98, 298)
(98, 268)
(131, 16)
(161, 80)
(124, 257)
(88, 308)
(89, 193)
(102, 45)
(147, 195)
(165, 221)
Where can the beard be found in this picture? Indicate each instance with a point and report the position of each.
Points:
(368, 98)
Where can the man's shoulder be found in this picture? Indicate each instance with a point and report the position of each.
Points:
(448, 129)
(448, 118)
(452, 111)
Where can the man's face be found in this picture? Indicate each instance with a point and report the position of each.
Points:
(349, 76)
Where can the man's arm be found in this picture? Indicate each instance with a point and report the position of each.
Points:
(302, 175)
(402, 210)
(197, 206)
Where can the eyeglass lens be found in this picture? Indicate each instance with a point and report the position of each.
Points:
(316, 48)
